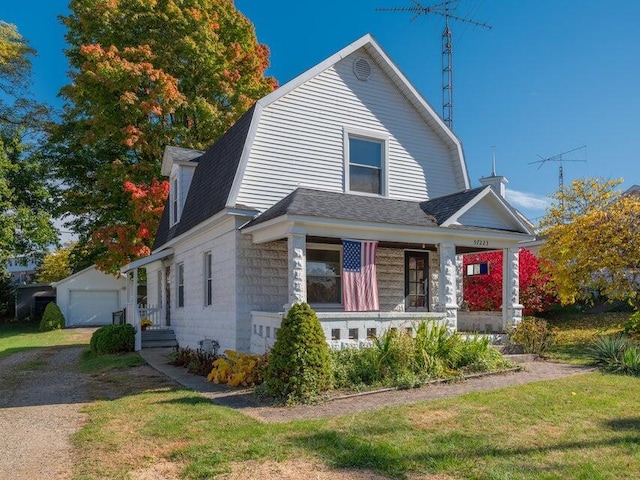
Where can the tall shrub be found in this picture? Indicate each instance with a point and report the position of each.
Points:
(52, 319)
(299, 365)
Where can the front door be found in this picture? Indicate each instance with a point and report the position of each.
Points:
(416, 270)
(167, 295)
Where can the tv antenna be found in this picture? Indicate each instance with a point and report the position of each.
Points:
(560, 157)
(443, 9)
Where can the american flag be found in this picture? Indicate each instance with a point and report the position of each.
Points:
(359, 281)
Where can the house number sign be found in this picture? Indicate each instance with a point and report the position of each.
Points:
(481, 243)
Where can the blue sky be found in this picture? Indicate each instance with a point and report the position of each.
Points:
(550, 76)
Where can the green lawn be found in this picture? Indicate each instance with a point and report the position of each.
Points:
(583, 427)
(14, 338)
(575, 332)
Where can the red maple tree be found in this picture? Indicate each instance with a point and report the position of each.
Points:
(484, 292)
(126, 243)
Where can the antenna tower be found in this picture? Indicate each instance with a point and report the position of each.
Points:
(560, 158)
(442, 9)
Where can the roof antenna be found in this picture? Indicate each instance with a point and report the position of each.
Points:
(443, 9)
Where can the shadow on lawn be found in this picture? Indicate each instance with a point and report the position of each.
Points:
(456, 451)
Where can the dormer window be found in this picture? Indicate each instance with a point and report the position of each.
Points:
(175, 202)
(365, 163)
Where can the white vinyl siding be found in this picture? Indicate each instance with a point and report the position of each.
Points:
(483, 214)
(299, 140)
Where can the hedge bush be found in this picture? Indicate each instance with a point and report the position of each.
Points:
(299, 368)
(52, 319)
(113, 339)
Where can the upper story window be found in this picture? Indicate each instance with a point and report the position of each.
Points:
(324, 275)
(175, 205)
(365, 163)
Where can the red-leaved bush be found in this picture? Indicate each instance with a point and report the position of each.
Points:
(484, 292)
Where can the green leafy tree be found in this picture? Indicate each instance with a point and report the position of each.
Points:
(25, 192)
(145, 74)
(593, 242)
(55, 265)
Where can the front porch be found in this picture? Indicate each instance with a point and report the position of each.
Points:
(418, 261)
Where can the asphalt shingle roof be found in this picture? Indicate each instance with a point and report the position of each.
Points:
(442, 208)
(342, 206)
(211, 183)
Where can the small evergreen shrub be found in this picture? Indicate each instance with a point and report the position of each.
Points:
(52, 319)
(298, 369)
(533, 334)
(113, 339)
(632, 326)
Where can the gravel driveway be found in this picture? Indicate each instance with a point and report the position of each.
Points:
(41, 395)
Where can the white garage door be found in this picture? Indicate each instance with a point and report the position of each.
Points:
(92, 307)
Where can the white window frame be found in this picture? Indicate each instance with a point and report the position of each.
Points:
(174, 206)
(180, 285)
(333, 247)
(372, 136)
(207, 273)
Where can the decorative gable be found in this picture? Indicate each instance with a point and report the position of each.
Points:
(488, 210)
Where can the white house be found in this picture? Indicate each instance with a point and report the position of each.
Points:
(346, 151)
(89, 297)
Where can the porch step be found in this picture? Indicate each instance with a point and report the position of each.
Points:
(164, 337)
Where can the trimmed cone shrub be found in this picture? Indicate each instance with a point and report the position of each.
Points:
(299, 367)
(52, 319)
(113, 339)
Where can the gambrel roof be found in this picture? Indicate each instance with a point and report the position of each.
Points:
(211, 182)
(219, 173)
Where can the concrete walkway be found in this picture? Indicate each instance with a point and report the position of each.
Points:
(245, 401)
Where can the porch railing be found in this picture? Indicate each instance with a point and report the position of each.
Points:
(341, 329)
(151, 312)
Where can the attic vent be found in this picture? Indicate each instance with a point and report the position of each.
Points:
(362, 69)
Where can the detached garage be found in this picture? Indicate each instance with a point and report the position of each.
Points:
(89, 297)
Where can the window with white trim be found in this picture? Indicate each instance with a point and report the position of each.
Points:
(324, 275)
(208, 278)
(175, 203)
(477, 269)
(365, 163)
(180, 284)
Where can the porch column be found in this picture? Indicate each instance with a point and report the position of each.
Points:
(297, 244)
(448, 283)
(459, 280)
(134, 301)
(511, 308)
